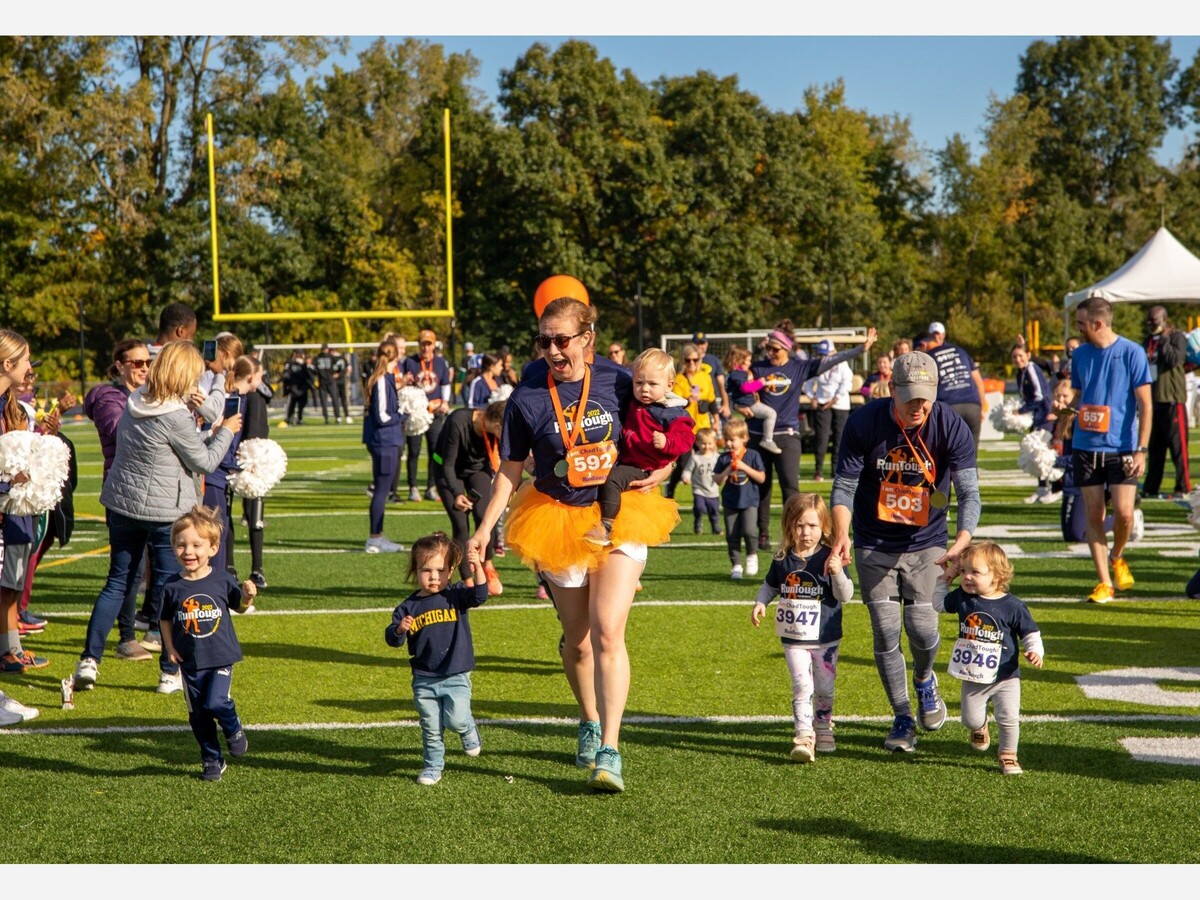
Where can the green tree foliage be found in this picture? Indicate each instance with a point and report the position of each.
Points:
(688, 192)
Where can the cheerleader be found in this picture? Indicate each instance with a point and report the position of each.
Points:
(383, 434)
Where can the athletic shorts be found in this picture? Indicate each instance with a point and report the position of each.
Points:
(1093, 469)
(15, 566)
(578, 577)
(908, 577)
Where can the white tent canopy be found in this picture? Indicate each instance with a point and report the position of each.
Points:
(1163, 271)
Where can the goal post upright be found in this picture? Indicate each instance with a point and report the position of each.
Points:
(347, 316)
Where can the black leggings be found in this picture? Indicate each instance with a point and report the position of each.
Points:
(786, 464)
(414, 451)
(481, 484)
(739, 527)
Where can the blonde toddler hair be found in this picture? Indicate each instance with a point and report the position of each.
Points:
(656, 359)
(989, 553)
(204, 520)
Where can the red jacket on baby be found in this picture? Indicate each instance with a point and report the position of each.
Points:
(643, 422)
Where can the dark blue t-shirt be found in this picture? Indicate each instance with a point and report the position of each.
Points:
(1000, 621)
(734, 386)
(739, 491)
(439, 642)
(873, 447)
(431, 380)
(781, 390)
(794, 576)
(530, 424)
(201, 624)
(955, 384)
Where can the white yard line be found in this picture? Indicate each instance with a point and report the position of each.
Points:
(1096, 719)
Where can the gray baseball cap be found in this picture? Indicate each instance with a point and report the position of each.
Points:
(914, 375)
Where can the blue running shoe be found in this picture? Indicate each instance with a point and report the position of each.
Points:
(933, 707)
(903, 735)
(429, 776)
(606, 776)
(589, 743)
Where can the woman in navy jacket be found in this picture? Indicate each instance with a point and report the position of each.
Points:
(383, 433)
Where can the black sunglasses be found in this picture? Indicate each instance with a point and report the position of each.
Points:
(688, 359)
(136, 363)
(560, 341)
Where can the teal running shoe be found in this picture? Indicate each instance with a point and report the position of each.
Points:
(606, 776)
(589, 743)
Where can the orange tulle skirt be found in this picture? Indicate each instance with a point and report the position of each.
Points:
(548, 535)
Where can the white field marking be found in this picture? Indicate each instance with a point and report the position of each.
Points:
(547, 721)
(1173, 751)
(1140, 685)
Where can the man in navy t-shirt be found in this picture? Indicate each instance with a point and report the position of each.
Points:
(959, 383)
(898, 458)
(1111, 378)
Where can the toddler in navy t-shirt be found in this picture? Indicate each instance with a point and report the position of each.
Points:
(432, 621)
(197, 633)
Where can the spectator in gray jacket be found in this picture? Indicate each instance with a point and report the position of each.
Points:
(159, 460)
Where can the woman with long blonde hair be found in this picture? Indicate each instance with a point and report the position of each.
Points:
(159, 461)
(17, 530)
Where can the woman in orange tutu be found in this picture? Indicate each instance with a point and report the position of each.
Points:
(567, 413)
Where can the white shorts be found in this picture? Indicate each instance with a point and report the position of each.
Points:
(577, 576)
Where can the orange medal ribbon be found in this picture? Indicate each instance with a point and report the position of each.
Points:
(493, 451)
(570, 438)
(930, 474)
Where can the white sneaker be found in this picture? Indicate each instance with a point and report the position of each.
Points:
(170, 684)
(736, 573)
(414, 495)
(1139, 526)
(86, 673)
(1036, 496)
(752, 564)
(10, 707)
(1050, 497)
(349, 421)
(10, 718)
(382, 545)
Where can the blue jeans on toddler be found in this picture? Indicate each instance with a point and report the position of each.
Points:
(442, 703)
(209, 704)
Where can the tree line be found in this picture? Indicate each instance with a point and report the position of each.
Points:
(685, 195)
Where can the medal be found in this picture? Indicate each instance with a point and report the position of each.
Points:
(938, 500)
(572, 435)
(560, 468)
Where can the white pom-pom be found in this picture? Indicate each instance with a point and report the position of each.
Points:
(47, 462)
(1194, 515)
(415, 405)
(263, 464)
(503, 392)
(1037, 456)
(1007, 420)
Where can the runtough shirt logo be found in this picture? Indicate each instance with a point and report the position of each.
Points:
(199, 615)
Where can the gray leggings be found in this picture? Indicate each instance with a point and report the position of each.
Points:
(1006, 706)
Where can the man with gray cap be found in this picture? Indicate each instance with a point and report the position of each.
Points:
(959, 383)
(898, 458)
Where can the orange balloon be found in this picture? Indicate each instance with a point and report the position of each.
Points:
(555, 287)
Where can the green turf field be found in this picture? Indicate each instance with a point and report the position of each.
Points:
(334, 748)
